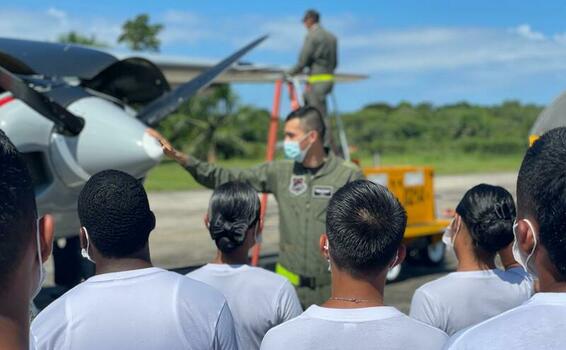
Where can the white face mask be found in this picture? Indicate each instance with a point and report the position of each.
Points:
(42, 271)
(84, 252)
(521, 257)
(449, 235)
(392, 265)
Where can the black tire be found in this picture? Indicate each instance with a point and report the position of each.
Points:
(433, 254)
(70, 266)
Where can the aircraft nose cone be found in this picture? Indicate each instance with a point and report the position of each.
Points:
(152, 147)
(112, 139)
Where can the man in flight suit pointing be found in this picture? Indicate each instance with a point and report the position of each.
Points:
(302, 186)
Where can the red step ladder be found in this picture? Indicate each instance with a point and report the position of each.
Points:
(272, 143)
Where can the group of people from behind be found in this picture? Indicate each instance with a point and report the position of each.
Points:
(130, 303)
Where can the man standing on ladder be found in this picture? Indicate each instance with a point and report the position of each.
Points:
(319, 56)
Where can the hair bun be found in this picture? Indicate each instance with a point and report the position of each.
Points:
(229, 234)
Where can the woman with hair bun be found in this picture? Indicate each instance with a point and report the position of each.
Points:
(478, 290)
(259, 299)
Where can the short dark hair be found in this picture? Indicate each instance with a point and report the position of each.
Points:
(18, 210)
(113, 207)
(488, 212)
(365, 224)
(310, 119)
(234, 208)
(313, 14)
(541, 192)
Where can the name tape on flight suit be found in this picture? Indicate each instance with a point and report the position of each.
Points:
(322, 191)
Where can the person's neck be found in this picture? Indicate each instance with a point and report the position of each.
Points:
(348, 292)
(315, 157)
(550, 280)
(108, 265)
(14, 318)
(14, 334)
(552, 287)
(470, 262)
(238, 257)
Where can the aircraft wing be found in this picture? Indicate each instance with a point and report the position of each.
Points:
(52, 59)
(180, 70)
(553, 116)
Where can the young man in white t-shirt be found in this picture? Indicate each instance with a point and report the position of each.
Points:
(259, 299)
(478, 290)
(365, 224)
(25, 243)
(129, 304)
(540, 246)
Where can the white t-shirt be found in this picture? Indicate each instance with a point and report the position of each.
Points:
(259, 299)
(539, 323)
(462, 299)
(383, 328)
(138, 309)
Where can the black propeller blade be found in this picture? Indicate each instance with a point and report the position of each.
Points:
(157, 110)
(66, 122)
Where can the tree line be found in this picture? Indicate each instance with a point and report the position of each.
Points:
(455, 128)
(214, 125)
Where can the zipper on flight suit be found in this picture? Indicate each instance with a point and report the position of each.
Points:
(309, 178)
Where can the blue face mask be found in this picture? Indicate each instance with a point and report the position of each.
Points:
(293, 150)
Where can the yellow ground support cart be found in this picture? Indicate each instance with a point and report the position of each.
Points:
(413, 186)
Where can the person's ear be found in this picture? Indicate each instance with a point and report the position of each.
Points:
(400, 256)
(153, 221)
(46, 234)
(82, 237)
(457, 222)
(323, 241)
(525, 236)
(314, 135)
(261, 226)
(206, 221)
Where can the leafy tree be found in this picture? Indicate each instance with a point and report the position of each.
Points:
(211, 125)
(139, 35)
(73, 37)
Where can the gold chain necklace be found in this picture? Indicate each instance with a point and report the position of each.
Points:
(350, 300)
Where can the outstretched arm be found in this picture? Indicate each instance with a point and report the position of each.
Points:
(305, 58)
(261, 177)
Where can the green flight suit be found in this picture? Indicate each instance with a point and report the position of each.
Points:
(302, 197)
(319, 55)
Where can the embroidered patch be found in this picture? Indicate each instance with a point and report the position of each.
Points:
(298, 185)
(322, 192)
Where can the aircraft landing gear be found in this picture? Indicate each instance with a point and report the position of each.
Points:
(70, 267)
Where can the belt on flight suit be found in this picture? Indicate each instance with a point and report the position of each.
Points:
(296, 279)
(320, 78)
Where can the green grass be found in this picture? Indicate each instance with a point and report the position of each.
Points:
(168, 176)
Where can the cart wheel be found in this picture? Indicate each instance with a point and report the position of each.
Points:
(433, 253)
(394, 273)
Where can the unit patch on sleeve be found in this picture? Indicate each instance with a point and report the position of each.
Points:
(322, 192)
(298, 185)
